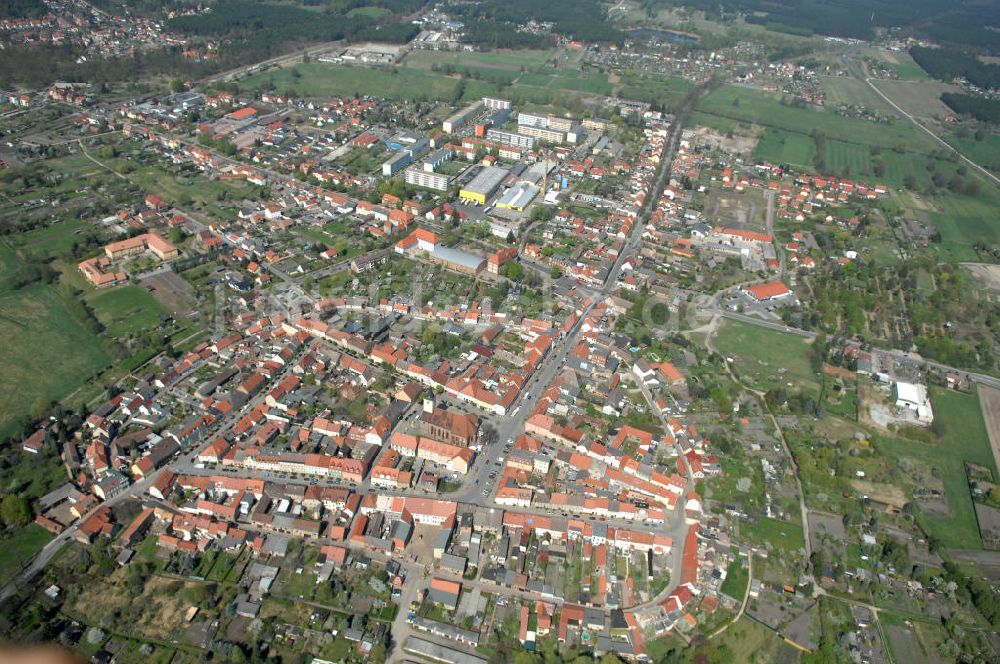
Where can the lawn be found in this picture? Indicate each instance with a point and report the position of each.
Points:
(46, 352)
(182, 190)
(126, 310)
(22, 545)
(963, 438)
(768, 357)
(785, 147)
(317, 79)
(511, 60)
(781, 535)
(369, 12)
(737, 579)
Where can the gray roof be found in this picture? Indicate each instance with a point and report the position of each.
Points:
(458, 257)
(487, 180)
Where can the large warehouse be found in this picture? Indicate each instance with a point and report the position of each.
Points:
(518, 197)
(484, 185)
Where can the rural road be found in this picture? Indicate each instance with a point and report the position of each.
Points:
(858, 72)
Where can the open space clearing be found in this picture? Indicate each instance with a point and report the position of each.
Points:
(985, 152)
(777, 535)
(898, 61)
(964, 220)
(22, 545)
(126, 310)
(369, 12)
(921, 99)
(785, 147)
(851, 91)
(46, 352)
(963, 438)
(511, 60)
(736, 581)
(523, 77)
(740, 105)
(989, 402)
(770, 359)
(319, 79)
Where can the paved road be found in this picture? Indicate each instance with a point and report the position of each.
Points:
(43, 557)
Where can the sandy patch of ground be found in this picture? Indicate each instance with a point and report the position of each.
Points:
(989, 401)
(887, 494)
(987, 275)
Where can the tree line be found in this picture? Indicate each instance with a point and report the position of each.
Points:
(949, 63)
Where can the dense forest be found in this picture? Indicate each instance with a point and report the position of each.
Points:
(258, 23)
(968, 23)
(947, 63)
(22, 8)
(982, 109)
(492, 22)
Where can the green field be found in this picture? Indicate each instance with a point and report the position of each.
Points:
(317, 79)
(734, 105)
(512, 60)
(785, 147)
(964, 220)
(769, 358)
(369, 12)
(126, 310)
(23, 545)
(737, 579)
(522, 77)
(46, 352)
(963, 438)
(849, 90)
(49, 240)
(986, 152)
(780, 535)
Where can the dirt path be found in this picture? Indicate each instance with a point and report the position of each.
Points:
(989, 401)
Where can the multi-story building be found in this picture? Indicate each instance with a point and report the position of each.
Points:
(428, 179)
(511, 138)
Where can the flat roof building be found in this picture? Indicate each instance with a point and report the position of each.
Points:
(461, 118)
(428, 179)
(518, 197)
(510, 138)
(484, 185)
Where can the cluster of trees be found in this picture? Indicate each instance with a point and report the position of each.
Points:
(981, 108)
(258, 24)
(32, 272)
(975, 590)
(492, 21)
(23, 8)
(949, 63)
(843, 297)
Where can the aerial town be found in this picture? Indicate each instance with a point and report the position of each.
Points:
(469, 333)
